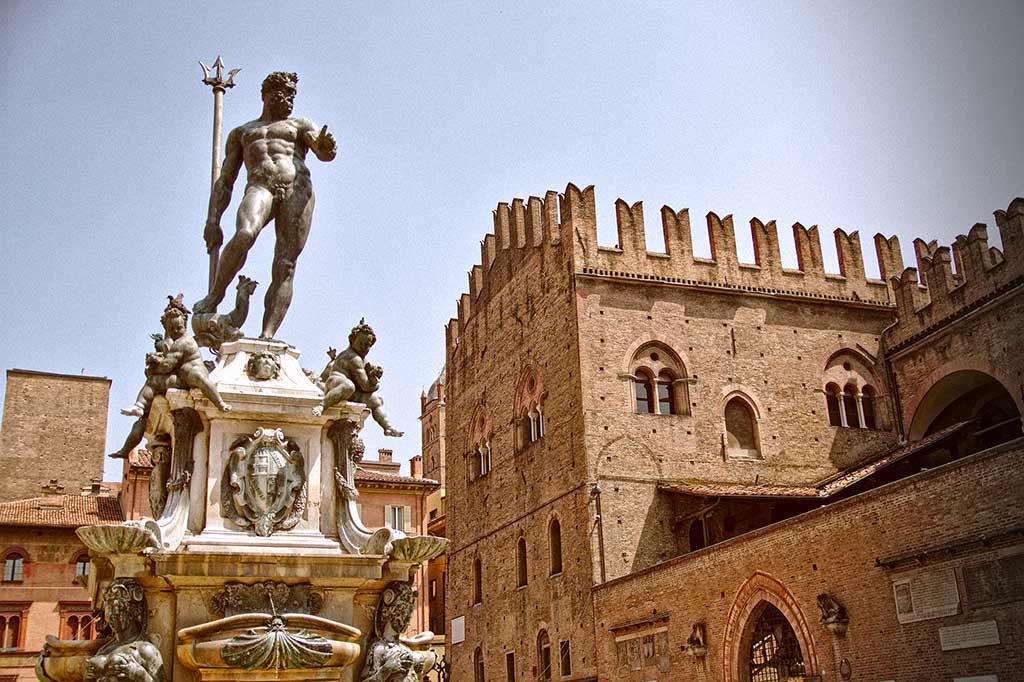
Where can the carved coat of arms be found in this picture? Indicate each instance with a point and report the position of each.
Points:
(264, 484)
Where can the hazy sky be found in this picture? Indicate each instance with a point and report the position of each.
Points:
(899, 117)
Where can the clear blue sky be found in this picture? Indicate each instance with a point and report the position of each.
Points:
(903, 117)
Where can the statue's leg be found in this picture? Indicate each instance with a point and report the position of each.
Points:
(142, 402)
(376, 405)
(294, 215)
(342, 389)
(194, 378)
(253, 214)
(133, 439)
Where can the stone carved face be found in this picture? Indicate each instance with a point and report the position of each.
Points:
(174, 324)
(397, 603)
(263, 366)
(280, 101)
(124, 607)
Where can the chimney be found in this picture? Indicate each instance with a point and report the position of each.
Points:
(385, 454)
(53, 495)
(416, 466)
(96, 487)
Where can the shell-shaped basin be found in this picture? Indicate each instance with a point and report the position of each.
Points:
(417, 548)
(261, 641)
(117, 539)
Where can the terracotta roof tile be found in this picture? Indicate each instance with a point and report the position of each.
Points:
(378, 477)
(73, 511)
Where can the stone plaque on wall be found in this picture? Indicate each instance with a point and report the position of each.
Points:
(458, 629)
(969, 635)
(926, 594)
(994, 582)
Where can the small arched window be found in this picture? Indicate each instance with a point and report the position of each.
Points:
(555, 545)
(479, 458)
(529, 408)
(856, 405)
(741, 429)
(478, 582)
(82, 566)
(850, 406)
(658, 381)
(643, 386)
(835, 414)
(14, 567)
(478, 665)
(521, 574)
(867, 403)
(543, 656)
(10, 632)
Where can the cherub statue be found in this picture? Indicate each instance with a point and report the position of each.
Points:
(348, 376)
(390, 657)
(175, 363)
(214, 329)
(129, 656)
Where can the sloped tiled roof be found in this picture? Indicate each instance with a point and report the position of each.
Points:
(379, 477)
(71, 512)
(822, 489)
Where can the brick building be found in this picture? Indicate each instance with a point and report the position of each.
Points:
(55, 426)
(45, 574)
(51, 458)
(678, 468)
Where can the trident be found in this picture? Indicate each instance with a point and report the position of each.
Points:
(219, 85)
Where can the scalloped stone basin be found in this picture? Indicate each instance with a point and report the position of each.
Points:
(117, 539)
(261, 646)
(417, 548)
(63, 660)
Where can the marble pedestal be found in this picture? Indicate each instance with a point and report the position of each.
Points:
(207, 558)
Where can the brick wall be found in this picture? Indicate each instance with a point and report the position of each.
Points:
(55, 426)
(834, 550)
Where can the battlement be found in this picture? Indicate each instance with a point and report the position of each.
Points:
(631, 259)
(932, 293)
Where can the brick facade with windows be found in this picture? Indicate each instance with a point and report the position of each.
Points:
(705, 404)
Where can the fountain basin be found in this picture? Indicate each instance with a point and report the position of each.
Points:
(63, 660)
(263, 646)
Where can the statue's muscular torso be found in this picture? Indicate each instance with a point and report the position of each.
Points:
(275, 152)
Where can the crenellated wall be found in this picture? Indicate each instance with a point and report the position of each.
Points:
(932, 293)
(678, 264)
(538, 223)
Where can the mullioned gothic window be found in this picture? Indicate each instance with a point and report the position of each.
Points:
(479, 458)
(851, 400)
(659, 381)
(529, 409)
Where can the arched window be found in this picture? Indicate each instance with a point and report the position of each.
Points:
(555, 546)
(666, 392)
(529, 409)
(835, 414)
(867, 403)
(10, 632)
(774, 651)
(543, 656)
(478, 665)
(79, 626)
(850, 406)
(856, 405)
(478, 582)
(741, 429)
(658, 381)
(521, 574)
(479, 459)
(697, 539)
(643, 385)
(14, 566)
(81, 566)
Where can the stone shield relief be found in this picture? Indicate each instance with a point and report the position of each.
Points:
(264, 483)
